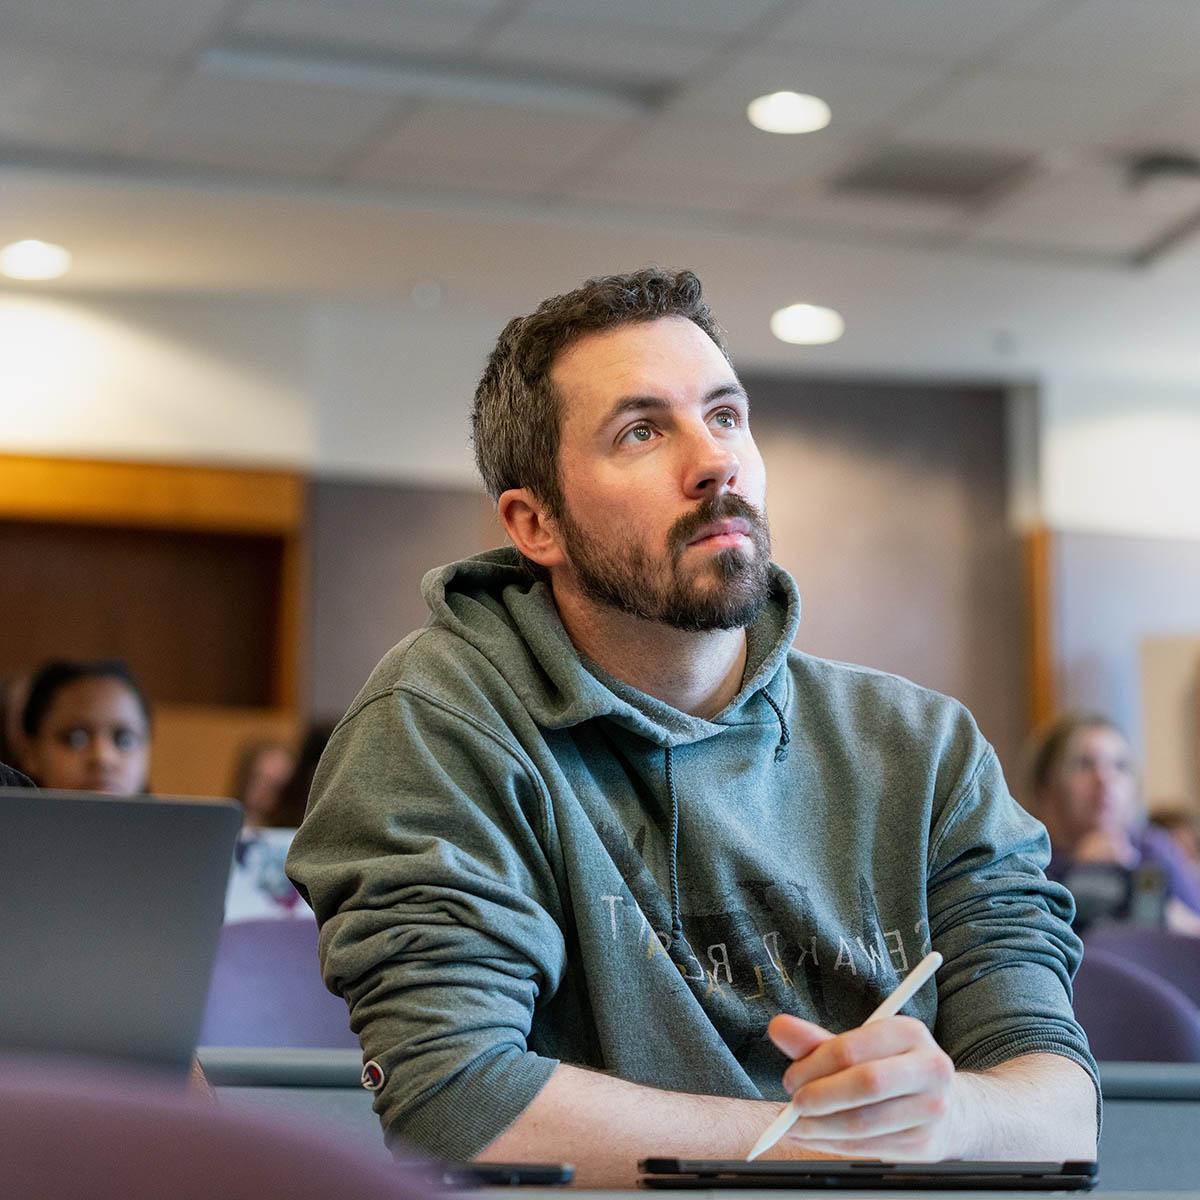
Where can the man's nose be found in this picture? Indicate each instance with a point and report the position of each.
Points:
(712, 468)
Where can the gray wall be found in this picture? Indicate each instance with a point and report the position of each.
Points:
(371, 544)
(1110, 592)
(887, 503)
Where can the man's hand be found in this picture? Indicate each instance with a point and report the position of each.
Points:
(884, 1090)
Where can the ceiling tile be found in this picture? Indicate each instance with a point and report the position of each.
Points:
(1031, 114)
(65, 99)
(813, 203)
(646, 55)
(694, 16)
(479, 135)
(945, 30)
(240, 156)
(730, 149)
(1175, 123)
(860, 92)
(281, 122)
(1135, 39)
(129, 28)
(418, 173)
(401, 26)
(663, 193)
(1086, 207)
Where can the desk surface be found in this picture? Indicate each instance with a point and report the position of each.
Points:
(783, 1193)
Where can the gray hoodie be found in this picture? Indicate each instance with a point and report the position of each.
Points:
(516, 859)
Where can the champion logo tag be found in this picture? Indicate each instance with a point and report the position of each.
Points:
(372, 1076)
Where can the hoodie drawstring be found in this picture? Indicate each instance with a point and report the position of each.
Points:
(781, 753)
(785, 736)
(676, 921)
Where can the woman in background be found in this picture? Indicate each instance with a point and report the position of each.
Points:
(87, 728)
(259, 774)
(1084, 788)
(258, 885)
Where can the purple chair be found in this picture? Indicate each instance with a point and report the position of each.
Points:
(267, 990)
(1130, 1015)
(73, 1133)
(1171, 956)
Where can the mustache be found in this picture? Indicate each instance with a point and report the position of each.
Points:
(716, 508)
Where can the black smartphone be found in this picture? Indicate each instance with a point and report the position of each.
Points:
(488, 1174)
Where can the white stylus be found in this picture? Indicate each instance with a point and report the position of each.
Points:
(907, 989)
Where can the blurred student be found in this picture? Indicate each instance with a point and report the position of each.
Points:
(1084, 787)
(260, 771)
(293, 799)
(87, 728)
(258, 885)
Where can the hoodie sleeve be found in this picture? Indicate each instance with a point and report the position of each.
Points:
(1004, 930)
(440, 924)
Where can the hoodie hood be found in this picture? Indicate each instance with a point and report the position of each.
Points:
(491, 602)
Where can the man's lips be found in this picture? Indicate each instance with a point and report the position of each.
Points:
(730, 530)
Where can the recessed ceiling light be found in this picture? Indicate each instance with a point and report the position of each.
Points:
(31, 259)
(789, 112)
(807, 325)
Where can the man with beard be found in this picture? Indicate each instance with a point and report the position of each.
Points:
(596, 853)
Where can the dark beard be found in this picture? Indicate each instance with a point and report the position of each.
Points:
(626, 579)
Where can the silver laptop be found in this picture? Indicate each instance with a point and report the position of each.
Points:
(110, 910)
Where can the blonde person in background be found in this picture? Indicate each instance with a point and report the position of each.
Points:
(1083, 785)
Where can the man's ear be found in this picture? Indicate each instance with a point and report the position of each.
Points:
(533, 531)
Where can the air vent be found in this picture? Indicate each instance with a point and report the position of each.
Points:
(964, 178)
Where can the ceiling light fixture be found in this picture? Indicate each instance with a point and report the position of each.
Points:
(807, 325)
(789, 112)
(31, 259)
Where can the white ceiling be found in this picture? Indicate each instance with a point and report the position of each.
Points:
(127, 137)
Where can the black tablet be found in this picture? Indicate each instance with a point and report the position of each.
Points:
(949, 1175)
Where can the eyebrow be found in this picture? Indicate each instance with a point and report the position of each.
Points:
(628, 404)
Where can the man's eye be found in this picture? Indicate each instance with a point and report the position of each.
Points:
(76, 738)
(726, 418)
(638, 433)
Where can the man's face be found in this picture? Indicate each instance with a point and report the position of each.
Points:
(663, 485)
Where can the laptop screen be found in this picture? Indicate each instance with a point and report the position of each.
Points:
(110, 910)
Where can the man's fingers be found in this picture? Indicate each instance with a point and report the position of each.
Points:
(882, 1039)
(926, 1069)
(872, 1120)
(918, 1144)
(795, 1036)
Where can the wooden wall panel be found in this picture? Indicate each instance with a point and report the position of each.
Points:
(161, 495)
(195, 615)
(195, 574)
(195, 746)
(1039, 620)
